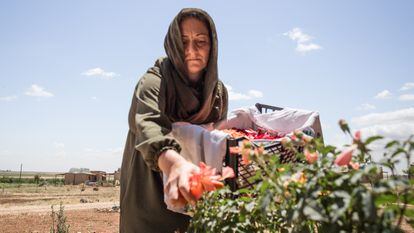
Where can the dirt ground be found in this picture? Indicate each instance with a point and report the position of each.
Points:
(89, 220)
(32, 195)
(28, 208)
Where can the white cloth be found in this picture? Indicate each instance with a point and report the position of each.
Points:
(282, 121)
(198, 144)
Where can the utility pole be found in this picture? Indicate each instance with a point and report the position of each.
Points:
(20, 176)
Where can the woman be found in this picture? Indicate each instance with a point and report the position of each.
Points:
(183, 86)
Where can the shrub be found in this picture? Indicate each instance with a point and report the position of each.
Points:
(59, 224)
(326, 194)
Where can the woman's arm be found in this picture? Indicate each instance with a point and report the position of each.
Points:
(160, 151)
(152, 125)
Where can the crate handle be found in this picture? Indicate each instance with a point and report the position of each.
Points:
(266, 107)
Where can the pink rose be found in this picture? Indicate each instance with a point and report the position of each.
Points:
(345, 157)
(357, 135)
(311, 157)
(355, 166)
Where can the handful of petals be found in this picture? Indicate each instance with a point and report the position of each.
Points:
(207, 180)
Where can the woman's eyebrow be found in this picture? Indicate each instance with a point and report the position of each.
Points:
(201, 34)
(198, 35)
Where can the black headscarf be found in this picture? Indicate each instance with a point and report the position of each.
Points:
(184, 101)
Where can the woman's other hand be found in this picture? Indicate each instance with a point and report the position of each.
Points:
(178, 170)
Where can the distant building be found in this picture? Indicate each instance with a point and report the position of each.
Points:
(115, 176)
(100, 175)
(72, 178)
(75, 178)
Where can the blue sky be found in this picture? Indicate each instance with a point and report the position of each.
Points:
(69, 69)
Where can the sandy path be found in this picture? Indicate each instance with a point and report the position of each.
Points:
(47, 208)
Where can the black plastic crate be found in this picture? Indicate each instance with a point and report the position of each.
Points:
(243, 173)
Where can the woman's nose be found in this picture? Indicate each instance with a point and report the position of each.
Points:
(190, 48)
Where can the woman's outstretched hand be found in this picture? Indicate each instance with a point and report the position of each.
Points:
(178, 171)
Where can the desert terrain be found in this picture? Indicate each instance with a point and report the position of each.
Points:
(27, 208)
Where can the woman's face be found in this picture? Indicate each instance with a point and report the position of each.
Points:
(196, 41)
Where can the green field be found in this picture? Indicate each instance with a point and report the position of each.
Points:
(27, 174)
(12, 178)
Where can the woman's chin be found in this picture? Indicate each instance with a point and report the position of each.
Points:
(194, 70)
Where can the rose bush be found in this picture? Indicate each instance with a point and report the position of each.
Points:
(330, 190)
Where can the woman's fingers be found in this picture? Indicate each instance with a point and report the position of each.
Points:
(184, 188)
(178, 185)
(172, 188)
(179, 203)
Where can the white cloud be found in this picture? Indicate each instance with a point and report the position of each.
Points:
(94, 98)
(36, 90)
(366, 107)
(303, 48)
(407, 86)
(385, 94)
(99, 72)
(296, 34)
(8, 98)
(396, 125)
(255, 94)
(397, 131)
(407, 97)
(238, 96)
(251, 94)
(303, 40)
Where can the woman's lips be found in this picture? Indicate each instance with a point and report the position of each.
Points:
(193, 60)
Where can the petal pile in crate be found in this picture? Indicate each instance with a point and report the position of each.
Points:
(251, 134)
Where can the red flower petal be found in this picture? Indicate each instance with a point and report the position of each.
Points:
(345, 157)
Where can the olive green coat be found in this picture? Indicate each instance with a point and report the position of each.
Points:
(162, 96)
(142, 202)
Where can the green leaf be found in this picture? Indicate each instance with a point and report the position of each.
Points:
(243, 191)
(392, 143)
(372, 139)
(397, 152)
(327, 149)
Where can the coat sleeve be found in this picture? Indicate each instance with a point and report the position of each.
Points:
(152, 125)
